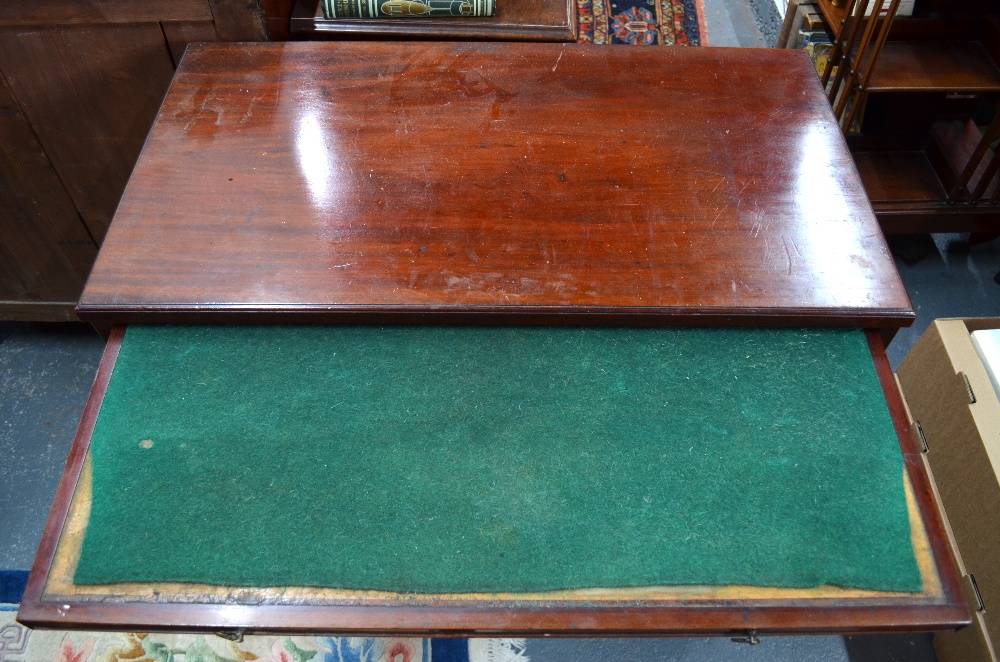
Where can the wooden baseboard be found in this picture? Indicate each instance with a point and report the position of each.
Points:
(30, 311)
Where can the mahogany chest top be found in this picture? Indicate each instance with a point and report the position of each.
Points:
(536, 183)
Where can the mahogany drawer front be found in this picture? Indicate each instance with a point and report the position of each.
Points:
(53, 600)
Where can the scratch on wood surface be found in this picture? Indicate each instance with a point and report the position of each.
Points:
(247, 115)
(218, 111)
(795, 246)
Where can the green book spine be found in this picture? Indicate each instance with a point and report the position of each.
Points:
(333, 9)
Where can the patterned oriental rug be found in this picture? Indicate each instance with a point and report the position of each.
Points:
(641, 22)
(19, 644)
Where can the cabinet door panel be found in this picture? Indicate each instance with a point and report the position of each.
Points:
(48, 12)
(90, 93)
(181, 33)
(45, 250)
(238, 20)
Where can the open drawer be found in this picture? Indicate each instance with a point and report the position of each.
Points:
(593, 483)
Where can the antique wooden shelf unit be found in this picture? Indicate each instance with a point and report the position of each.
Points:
(495, 185)
(923, 84)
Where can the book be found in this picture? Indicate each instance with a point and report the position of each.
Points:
(806, 37)
(333, 9)
(987, 343)
(819, 49)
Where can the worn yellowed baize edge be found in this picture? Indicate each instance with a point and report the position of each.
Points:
(60, 581)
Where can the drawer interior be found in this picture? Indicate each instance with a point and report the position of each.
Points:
(456, 465)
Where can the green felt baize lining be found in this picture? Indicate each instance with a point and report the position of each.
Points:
(450, 459)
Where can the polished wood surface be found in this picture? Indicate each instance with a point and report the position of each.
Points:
(51, 600)
(518, 182)
(515, 20)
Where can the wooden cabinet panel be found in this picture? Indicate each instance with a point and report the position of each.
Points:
(82, 81)
(48, 12)
(238, 20)
(91, 93)
(278, 14)
(179, 34)
(45, 251)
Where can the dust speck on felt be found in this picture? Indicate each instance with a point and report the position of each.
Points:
(146, 443)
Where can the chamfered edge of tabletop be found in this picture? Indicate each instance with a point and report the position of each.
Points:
(236, 313)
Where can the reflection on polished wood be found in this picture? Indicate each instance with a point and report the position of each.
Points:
(515, 182)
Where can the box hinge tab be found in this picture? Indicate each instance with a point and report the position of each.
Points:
(968, 388)
(979, 604)
(920, 434)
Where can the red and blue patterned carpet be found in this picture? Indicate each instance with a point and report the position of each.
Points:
(640, 22)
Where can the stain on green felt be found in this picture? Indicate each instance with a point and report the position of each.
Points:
(478, 459)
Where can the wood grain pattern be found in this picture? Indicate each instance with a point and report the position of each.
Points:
(90, 93)
(679, 610)
(45, 250)
(530, 182)
(64, 12)
(515, 20)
